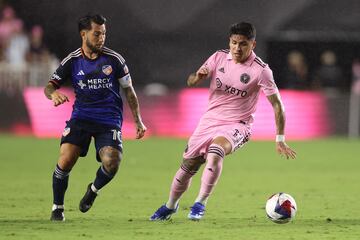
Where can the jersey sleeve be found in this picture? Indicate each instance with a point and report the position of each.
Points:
(123, 75)
(61, 74)
(210, 64)
(267, 82)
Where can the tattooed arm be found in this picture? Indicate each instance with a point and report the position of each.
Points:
(55, 96)
(278, 107)
(135, 110)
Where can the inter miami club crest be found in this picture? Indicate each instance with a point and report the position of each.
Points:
(244, 78)
(107, 69)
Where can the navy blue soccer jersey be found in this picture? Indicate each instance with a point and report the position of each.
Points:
(96, 84)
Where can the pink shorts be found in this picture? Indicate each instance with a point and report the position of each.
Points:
(236, 133)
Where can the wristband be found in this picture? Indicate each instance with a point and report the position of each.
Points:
(280, 138)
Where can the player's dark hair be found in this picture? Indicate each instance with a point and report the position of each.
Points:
(243, 28)
(85, 22)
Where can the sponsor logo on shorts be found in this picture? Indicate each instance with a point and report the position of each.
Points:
(236, 132)
(240, 139)
(66, 132)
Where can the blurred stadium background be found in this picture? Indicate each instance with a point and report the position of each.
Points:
(313, 47)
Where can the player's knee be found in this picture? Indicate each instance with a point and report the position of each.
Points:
(69, 154)
(67, 161)
(112, 166)
(214, 162)
(193, 164)
(110, 158)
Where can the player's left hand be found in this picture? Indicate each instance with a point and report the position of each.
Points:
(140, 130)
(284, 150)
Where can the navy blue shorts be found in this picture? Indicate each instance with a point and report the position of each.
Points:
(80, 132)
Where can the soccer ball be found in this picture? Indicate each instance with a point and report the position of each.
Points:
(281, 208)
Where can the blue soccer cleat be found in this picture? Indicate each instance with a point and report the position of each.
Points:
(197, 211)
(163, 213)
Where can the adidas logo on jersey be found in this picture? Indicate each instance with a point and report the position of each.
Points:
(81, 73)
(222, 70)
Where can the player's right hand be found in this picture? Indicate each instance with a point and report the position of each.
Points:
(195, 78)
(58, 98)
(140, 130)
(202, 73)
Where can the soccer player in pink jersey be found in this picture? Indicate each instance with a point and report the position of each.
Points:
(236, 76)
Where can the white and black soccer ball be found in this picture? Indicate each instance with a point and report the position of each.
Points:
(281, 208)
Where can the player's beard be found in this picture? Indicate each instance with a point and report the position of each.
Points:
(93, 48)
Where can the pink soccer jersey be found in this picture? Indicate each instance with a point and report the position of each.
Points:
(235, 87)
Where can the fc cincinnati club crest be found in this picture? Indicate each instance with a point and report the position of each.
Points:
(244, 78)
(66, 131)
(107, 69)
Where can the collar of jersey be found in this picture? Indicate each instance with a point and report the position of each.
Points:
(248, 62)
(89, 59)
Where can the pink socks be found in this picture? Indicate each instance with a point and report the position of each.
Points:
(210, 176)
(211, 173)
(180, 184)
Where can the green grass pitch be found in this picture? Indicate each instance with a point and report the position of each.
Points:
(324, 180)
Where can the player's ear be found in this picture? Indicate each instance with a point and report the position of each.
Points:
(254, 45)
(82, 34)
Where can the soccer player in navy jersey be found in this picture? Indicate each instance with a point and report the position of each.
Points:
(97, 75)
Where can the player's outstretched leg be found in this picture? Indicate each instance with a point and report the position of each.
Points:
(103, 177)
(110, 158)
(60, 184)
(210, 177)
(180, 184)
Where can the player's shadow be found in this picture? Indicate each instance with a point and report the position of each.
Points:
(263, 222)
(329, 221)
(22, 221)
(228, 222)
